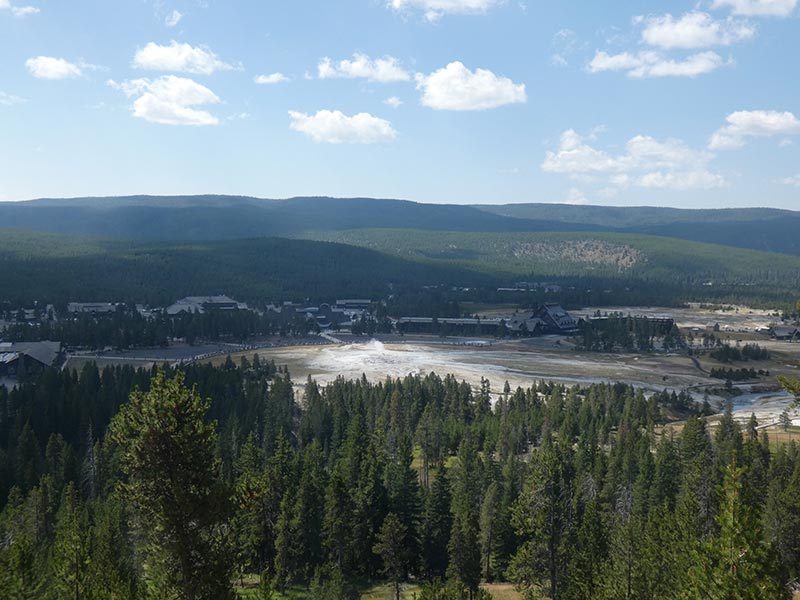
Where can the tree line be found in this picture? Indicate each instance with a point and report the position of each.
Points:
(184, 483)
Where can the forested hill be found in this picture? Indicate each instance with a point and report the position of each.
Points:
(57, 268)
(767, 229)
(374, 262)
(236, 217)
(233, 217)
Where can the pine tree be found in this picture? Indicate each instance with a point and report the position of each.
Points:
(251, 522)
(542, 516)
(404, 494)
(308, 514)
(437, 525)
(392, 547)
(113, 563)
(734, 564)
(463, 548)
(283, 546)
(488, 528)
(172, 487)
(71, 556)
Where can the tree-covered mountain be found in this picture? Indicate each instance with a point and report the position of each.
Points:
(57, 268)
(596, 267)
(767, 229)
(236, 217)
(611, 255)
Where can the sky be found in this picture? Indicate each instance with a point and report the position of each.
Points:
(684, 104)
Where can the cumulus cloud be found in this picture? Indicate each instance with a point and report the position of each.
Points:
(455, 87)
(666, 33)
(693, 30)
(649, 63)
(173, 18)
(384, 70)
(19, 11)
(10, 99)
(334, 127)
(181, 58)
(24, 11)
(793, 180)
(745, 124)
(169, 100)
(575, 197)
(646, 163)
(48, 67)
(435, 9)
(393, 101)
(758, 8)
(270, 79)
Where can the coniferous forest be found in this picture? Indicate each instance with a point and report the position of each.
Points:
(221, 482)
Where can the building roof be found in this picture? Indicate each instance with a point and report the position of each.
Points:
(559, 316)
(199, 304)
(785, 331)
(7, 357)
(528, 319)
(95, 307)
(448, 321)
(46, 353)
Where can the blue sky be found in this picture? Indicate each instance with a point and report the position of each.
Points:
(686, 104)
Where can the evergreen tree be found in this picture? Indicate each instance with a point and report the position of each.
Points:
(463, 548)
(71, 557)
(488, 529)
(392, 547)
(404, 494)
(542, 516)
(437, 526)
(734, 564)
(172, 486)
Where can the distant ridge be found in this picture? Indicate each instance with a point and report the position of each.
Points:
(221, 217)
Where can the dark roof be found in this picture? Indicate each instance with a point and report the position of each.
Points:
(46, 353)
(785, 331)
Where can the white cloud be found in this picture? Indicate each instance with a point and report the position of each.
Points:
(693, 30)
(646, 163)
(19, 11)
(648, 64)
(24, 11)
(10, 99)
(794, 180)
(435, 9)
(393, 101)
(334, 127)
(565, 44)
(455, 87)
(758, 8)
(270, 79)
(48, 67)
(745, 124)
(169, 100)
(575, 197)
(181, 58)
(686, 180)
(384, 70)
(173, 18)
(575, 156)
